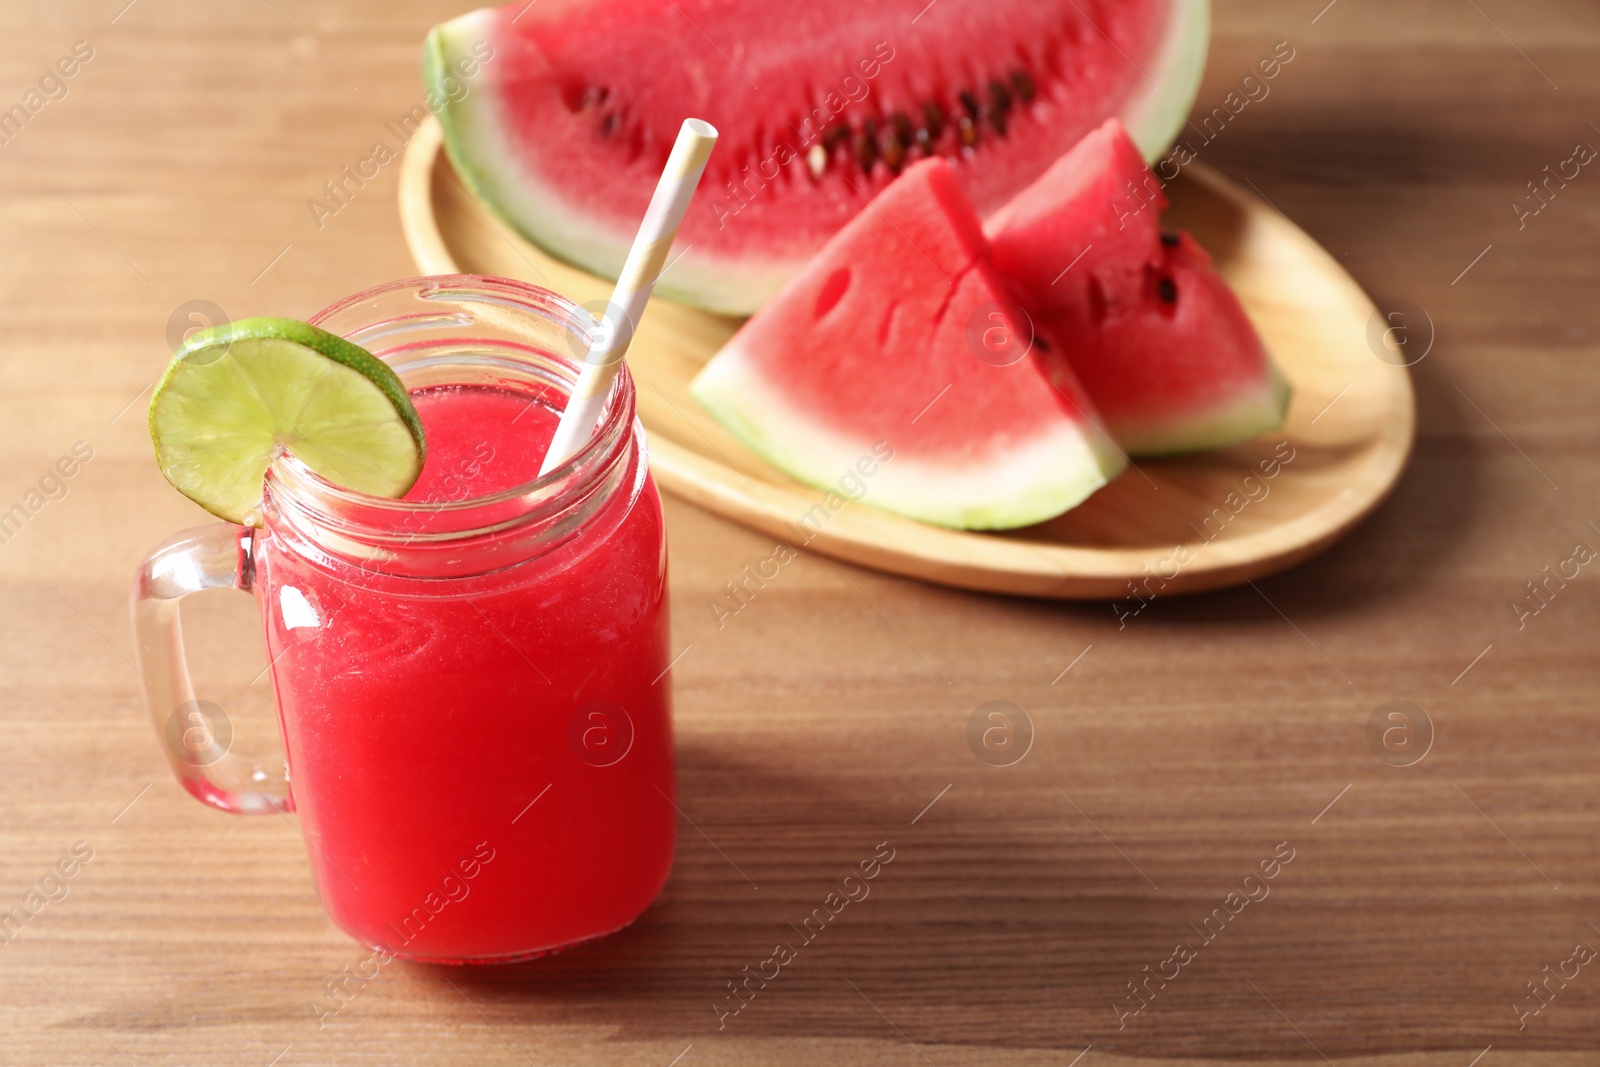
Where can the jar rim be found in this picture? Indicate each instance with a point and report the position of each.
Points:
(357, 525)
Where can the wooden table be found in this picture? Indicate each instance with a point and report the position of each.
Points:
(1168, 758)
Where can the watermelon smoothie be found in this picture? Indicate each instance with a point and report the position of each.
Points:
(471, 680)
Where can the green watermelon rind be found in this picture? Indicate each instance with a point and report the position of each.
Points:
(1241, 418)
(472, 139)
(998, 492)
(559, 229)
(1154, 117)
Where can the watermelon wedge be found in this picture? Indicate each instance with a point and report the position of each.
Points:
(1146, 324)
(898, 338)
(566, 126)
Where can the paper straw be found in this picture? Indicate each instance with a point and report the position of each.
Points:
(648, 255)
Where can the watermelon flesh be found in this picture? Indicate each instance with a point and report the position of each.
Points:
(898, 339)
(1095, 214)
(1145, 323)
(567, 126)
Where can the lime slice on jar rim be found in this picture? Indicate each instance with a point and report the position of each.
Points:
(238, 395)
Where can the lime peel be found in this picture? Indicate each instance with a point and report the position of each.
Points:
(237, 395)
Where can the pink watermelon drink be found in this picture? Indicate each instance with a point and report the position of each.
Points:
(470, 680)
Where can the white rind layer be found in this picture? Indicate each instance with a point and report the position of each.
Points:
(1001, 489)
(1247, 416)
(1154, 116)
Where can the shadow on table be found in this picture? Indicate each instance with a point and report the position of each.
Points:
(1004, 922)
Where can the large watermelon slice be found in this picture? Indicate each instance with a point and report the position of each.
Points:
(1145, 322)
(899, 339)
(566, 127)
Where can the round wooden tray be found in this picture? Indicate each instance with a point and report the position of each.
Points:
(1165, 526)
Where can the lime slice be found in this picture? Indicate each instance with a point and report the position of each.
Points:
(237, 395)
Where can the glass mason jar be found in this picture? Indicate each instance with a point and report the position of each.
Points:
(473, 694)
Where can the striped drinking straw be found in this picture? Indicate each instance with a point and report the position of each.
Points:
(648, 255)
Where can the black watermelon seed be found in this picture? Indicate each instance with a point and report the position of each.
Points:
(999, 97)
(970, 102)
(892, 149)
(903, 128)
(866, 145)
(935, 116)
(999, 105)
(1024, 85)
(1169, 290)
(835, 136)
(1169, 238)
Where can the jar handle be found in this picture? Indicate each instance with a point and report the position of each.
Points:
(197, 735)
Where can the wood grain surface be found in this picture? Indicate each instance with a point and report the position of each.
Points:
(1169, 756)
